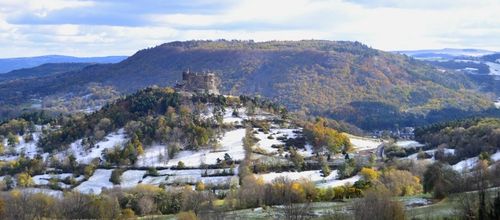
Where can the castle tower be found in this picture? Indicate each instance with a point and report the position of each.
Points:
(204, 82)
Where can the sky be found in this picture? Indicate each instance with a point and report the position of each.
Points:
(122, 27)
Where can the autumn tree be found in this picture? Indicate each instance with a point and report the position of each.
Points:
(321, 136)
(24, 180)
(440, 179)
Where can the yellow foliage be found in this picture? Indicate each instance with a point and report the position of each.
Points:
(323, 136)
(15, 193)
(140, 150)
(200, 186)
(260, 181)
(169, 90)
(187, 188)
(278, 186)
(401, 182)
(24, 180)
(416, 179)
(297, 188)
(146, 188)
(128, 213)
(369, 174)
(187, 216)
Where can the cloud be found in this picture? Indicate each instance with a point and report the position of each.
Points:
(422, 4)
(108, 27)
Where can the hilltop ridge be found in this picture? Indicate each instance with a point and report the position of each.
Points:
(331, 78)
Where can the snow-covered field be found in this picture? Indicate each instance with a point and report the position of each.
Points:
(266, 144)
(230, 119)
(312, 175)
(213, 180)
(96, 182)
(131, 178)
(408, 144)
(44, 179)
(430, 152)
(154, 156)
(494, 68)
(336, 183)
(231, 143)
(471, 162)
(363, 143)
(50, 192)
(29, 149)
(86, 156)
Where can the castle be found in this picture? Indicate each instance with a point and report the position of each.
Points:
(199, 82)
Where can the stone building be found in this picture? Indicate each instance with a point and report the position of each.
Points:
(199, 82)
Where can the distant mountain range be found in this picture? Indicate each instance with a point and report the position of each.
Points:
(9, 64)
(482, 66)
(445, 54)
(42, 70)
(339, 79)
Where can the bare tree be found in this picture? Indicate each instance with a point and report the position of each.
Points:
(378, 205)
(146, 205)
(297, 211)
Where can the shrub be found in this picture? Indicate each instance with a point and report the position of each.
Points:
(378, 205)
(186, 216)
(128, 213)
(152, 172)
(200, 186)
(116, 176)
(24, 180)
(180, 165)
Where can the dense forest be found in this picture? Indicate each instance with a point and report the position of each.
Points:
(469, 137)
(330, 78)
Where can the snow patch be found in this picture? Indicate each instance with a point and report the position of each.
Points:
(313, 175)
(494, 68)
(49, 192)
(266, 144)
(44, 179)
(29, 149)
(363, 143)
(337, 183)
(409, 144)
(86, 156)
(154, 156)
(131, 178)
(96, 182)
(231, 143)
(465, 164)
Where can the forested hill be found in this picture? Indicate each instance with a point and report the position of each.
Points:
(42, 70)
(468, 137)
(333, 78)
(10, 64)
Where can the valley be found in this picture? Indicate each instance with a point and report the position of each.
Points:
(236, 155)
(218, 149)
